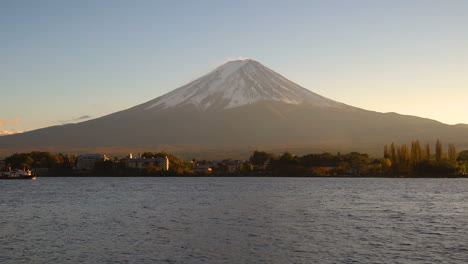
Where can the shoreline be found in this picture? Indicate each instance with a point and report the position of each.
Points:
(264, 176)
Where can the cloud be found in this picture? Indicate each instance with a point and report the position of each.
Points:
(10, 122)
(15, 121)
(228, 59)
(236, 58)
(6, 132)
(83, 117)
(78, 119)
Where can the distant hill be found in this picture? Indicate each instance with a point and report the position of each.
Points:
(237, 108)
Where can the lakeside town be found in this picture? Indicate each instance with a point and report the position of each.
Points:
(397, 161)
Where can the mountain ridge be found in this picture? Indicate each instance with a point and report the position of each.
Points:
(270, 112)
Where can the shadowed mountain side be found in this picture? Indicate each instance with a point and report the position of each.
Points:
(263, 124)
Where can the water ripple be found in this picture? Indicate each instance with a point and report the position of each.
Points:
(234, 220)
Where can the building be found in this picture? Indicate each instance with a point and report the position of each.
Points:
(88, 161)
(234, 166)
(263, 167)
(2, 165)
(203, 169)
(142, 163)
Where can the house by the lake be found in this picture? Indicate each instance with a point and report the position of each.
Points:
(142, 163)
(88, 161)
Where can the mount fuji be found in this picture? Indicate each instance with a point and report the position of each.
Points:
(237, 108)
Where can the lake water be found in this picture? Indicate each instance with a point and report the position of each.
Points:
(233, 220)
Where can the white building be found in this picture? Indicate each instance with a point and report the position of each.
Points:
(88, 161)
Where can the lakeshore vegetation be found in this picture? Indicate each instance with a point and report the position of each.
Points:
(415, 160)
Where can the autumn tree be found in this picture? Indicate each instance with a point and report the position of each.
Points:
(452, 152)
(260, 157)
(463, 156)
(427, 152)
(416, 152)
(404, 154)
(386, 154)
(288, 158)
(438, 150)
(147, 155)
(392, 153)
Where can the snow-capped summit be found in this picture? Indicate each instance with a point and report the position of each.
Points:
(238, 83)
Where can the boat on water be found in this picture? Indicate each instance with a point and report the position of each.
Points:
(18, 175)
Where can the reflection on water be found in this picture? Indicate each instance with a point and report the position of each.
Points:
(233, 220)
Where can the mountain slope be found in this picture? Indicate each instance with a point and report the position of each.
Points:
(240, 106)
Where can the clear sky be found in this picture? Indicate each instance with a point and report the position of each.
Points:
(65, 61)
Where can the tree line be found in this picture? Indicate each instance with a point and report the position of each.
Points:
(398, 161)
(420, 160)
(57, 164)
(310, 165)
